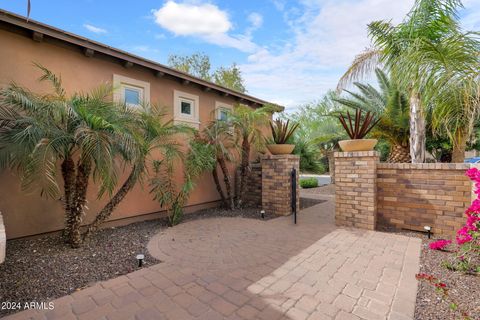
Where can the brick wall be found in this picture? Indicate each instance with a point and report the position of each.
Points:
(276, 183)
(253, 192)
(411, 196)
(3, 239)
(355, 190)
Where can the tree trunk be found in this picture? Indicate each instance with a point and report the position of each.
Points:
(459, 146)
(78, 210)
(107, 210)
(219, 187)
(417, 130)
(68, 174)
(227, 181)
(244, 168)
(399, 154)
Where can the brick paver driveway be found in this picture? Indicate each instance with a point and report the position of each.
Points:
(233, 268)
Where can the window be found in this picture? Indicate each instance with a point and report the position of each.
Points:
(223, 115)
(131, 91)
(186, 108)
(132, 96)
(222, 111)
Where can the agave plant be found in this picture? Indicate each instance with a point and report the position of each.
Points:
(282, 130)
(359, 127)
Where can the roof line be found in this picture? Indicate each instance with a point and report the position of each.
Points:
(91, 46)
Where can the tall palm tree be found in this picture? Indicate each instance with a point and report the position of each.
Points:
(83, 132)
(199, 159)
(416, 54)
(152, 133)
(220, 135)
(248, 124)
(391, 104)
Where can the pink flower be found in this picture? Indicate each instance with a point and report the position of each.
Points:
(474, 207)
(472, 221)
(463, 236)
(473, 174)
(439, 244)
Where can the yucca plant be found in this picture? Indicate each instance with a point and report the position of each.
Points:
(282, 130)
(358, 127)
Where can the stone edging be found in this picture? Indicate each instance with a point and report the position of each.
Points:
(3, 239)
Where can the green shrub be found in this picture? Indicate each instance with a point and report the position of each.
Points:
(309, 183)
(309, 156)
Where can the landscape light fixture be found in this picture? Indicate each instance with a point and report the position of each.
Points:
(262, 212)
(140, 258)
(429, 231)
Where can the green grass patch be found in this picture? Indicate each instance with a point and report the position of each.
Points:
(308, 183)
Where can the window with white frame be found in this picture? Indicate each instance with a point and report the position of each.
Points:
(130, 91)
(186, 108)
(222, 111)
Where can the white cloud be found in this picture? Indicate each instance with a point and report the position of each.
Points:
(279, 4)
(328, 35)
(189, 19)
(94, 29)
(205, 21)
(255, 19)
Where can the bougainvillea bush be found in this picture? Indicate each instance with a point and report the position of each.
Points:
(467, 258)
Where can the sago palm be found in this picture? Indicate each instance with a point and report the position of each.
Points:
(391, 104)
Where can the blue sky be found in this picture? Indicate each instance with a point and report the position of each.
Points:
(290, 52)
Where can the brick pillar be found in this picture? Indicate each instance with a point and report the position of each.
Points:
(355, 189)
(276, 183)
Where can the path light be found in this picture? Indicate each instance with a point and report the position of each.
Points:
(429, 231)
(262, 212)
(140, 258)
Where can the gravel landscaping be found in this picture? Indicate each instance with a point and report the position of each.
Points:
(42, 268)
(463, 289)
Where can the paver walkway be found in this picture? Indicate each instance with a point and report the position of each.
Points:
(234, 268)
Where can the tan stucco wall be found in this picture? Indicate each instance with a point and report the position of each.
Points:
(28, 214)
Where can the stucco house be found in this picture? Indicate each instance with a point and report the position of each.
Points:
(84, 64)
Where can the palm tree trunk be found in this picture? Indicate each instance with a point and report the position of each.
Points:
(68, 174)
(244, 168)
(219, 187)
(399, 154)
(458, 153)
(228, 183)
(107, 210)
(417, 129)
(78, 209)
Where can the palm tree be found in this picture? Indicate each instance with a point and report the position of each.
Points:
(199, 159)
(219, 134)
(248, 124)
(391, 103)
(422, 53)
(152, 133)
(82, 132)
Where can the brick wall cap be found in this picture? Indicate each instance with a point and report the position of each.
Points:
(280, 156)
(426, 166)
(356, 154)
